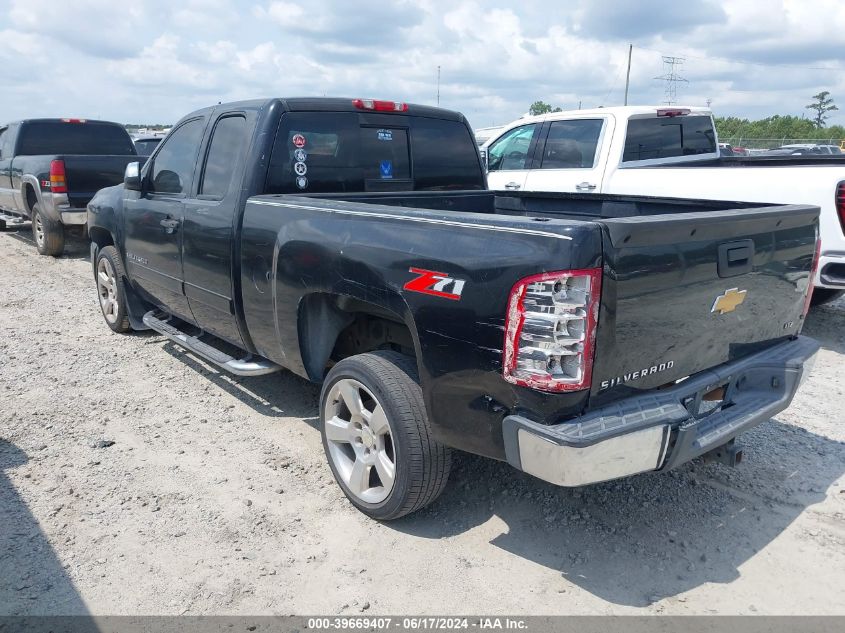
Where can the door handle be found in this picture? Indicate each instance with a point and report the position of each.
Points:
(169, 225)
(585, 186)
(513, 186)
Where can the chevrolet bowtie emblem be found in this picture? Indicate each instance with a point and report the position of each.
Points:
(729, 301)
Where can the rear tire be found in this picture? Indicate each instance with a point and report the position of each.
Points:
(377, 437)
(109, 276)
(48, 234)
(825, 295)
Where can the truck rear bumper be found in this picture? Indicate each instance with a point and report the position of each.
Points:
(74, 216)
(662, 429)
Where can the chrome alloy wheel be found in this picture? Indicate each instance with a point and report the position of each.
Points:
(107, 289)
(359, 441)
(38, 225)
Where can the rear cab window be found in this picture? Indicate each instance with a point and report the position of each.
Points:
(326, 152)
(81, 138)
(652, 137)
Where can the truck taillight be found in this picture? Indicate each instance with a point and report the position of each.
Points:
(380, 106)
(812, 280)
(58, 181)
(550, 330)
(840, 204)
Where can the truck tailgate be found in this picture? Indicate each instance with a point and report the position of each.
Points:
(86, 175)
(689, 291)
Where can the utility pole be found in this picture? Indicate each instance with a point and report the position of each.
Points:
(438, 85)
(628, 75)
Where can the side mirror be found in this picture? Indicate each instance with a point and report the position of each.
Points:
(484, 164)
(132, 177)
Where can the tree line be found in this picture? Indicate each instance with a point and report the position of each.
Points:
(776, 127)
(786, 126)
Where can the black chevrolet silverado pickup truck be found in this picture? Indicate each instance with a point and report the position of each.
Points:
(579, 337)
(51, 168)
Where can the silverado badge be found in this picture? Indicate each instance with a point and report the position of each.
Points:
(729, 301)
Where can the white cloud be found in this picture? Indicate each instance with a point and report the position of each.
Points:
(154, 60)
(286, 14)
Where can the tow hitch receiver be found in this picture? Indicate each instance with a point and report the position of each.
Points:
(729, 454)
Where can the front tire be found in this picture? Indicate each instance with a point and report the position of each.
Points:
(377, 437)
(48, 234)
(109, 275)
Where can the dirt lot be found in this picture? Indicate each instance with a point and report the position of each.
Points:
(215, 496)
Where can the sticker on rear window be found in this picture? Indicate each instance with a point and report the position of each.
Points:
(300, 155)
(298, 140)
(385, 135)
(300, 168)
(302, 182)
(386, 169)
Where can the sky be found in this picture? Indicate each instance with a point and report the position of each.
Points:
(153, 61)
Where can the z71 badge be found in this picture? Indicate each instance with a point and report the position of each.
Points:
(437, 284)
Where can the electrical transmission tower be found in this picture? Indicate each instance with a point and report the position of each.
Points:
(671, 77)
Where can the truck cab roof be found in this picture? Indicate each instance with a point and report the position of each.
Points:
(333, 104)
(61, 120)
(620, 112)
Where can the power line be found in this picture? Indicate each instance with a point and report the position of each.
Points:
(613, 86)
(746, 63)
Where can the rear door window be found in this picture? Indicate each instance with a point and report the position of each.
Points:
(84, 138)
(571, 144)
(228, 142)
(666, 137)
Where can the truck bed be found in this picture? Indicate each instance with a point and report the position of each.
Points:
(666, 262)
(543, 204)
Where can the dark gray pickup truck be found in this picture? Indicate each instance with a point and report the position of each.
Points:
(51, 168)
(579, 337)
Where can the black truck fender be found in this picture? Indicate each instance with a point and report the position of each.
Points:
(348, 324)
(104, 230)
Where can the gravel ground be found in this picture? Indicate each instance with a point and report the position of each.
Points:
(136, 479)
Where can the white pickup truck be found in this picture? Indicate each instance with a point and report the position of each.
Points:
(666, 151)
